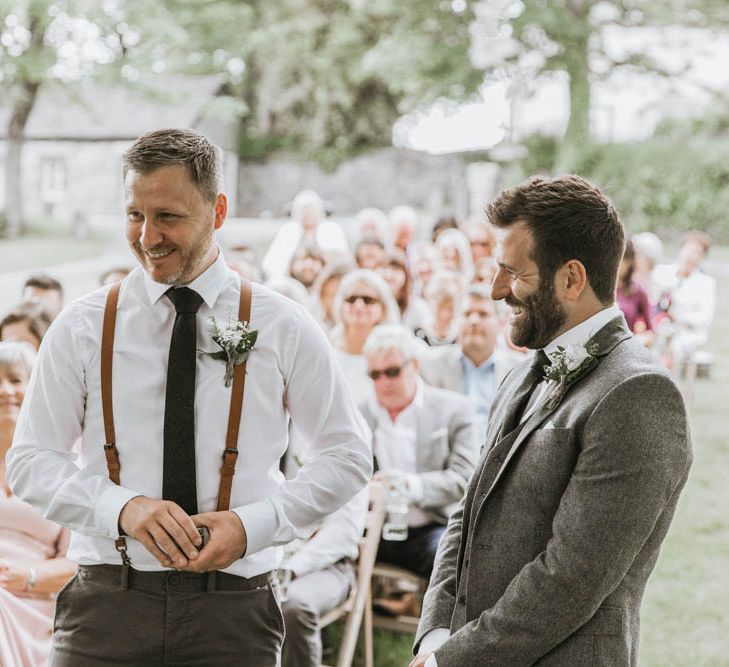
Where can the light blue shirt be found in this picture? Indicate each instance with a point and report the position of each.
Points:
(479, 384)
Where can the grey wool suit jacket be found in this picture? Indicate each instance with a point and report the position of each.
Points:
(446, 448)
(546, 562)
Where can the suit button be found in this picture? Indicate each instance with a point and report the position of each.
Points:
(174, 579)
(466, 562)
(462, 600)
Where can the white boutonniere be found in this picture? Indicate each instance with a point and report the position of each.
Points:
(568, 365)
(236, 340)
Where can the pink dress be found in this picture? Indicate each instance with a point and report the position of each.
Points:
(26, 620)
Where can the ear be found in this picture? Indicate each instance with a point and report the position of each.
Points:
(416, 364)
(571, 280)
(221, 210)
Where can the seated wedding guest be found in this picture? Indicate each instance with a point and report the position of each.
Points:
(482, 239)
(484, 270)
(325, 289)
(27, 322)
(317, 574)
(441, 224)
(424, 443)
(363, 301)
(403, 222)
(648, 253)
(372, 223)
(443, 295)
(307, 224)
(631, 295)
(369, 252)
(423, 262)
(291, 288)
(306, 263)
(113, 275)
(414, 311)
(477, 363)
(32, 563)
(45, 290)
(454, 253)
(689, 296)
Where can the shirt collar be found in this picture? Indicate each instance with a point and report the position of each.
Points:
(209, 284)
(484, 367)
(581, 333)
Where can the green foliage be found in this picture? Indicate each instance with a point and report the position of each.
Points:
(327, 79)
(541, 154)
(677, 181)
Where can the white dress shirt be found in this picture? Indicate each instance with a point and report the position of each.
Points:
(577, 335)
(291, 369)
(395, 446)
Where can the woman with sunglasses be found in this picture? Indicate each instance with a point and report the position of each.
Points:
(363, 301)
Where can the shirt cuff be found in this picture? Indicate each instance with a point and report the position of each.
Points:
(260, 523)
(109, 507)
(415, 488)
(433, 641)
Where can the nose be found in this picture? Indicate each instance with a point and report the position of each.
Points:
(6, 387)
(501, 285)
(150, 236)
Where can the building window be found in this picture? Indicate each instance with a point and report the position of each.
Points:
(53, 180)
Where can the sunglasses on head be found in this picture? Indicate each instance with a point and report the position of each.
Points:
(390, 371)
(366, 300)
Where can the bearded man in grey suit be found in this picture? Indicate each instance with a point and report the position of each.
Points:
(547, 557)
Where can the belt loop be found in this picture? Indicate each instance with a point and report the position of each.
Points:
(211, 581)
(124, 579)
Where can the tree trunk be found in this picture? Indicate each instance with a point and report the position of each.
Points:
(577, 135)
(28, 91)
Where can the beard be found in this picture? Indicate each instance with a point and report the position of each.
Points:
(189, 262)
(542, 316)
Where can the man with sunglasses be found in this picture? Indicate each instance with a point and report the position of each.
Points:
(424, 440)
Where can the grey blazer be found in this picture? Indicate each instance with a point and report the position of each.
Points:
(441, 366)
(447, 448)
(546, 564)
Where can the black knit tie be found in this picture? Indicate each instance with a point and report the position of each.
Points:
(178, 477)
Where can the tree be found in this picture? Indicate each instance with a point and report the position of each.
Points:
(54, 42)
(534, 37)
(328, 78)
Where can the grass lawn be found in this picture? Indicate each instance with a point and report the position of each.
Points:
(684, 618)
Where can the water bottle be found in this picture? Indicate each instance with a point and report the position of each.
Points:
(395, 528)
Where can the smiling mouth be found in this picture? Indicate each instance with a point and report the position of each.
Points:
(158, 254)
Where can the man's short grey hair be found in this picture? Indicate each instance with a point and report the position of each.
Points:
(14, 353)
(173, 147)
(307, 199)
(388, 337)
(403, 215)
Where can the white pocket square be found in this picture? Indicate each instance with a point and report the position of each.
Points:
(548, 425)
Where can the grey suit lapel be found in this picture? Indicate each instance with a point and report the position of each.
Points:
(608, 338)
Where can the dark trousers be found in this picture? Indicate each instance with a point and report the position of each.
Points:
(417, 553)
(166, 618)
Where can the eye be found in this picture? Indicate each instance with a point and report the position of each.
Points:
(134, 216)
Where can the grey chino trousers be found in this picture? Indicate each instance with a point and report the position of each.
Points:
(166, 618)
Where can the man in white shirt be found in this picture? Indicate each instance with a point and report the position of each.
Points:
(317, 574)
(165, 608)
(588, 448)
